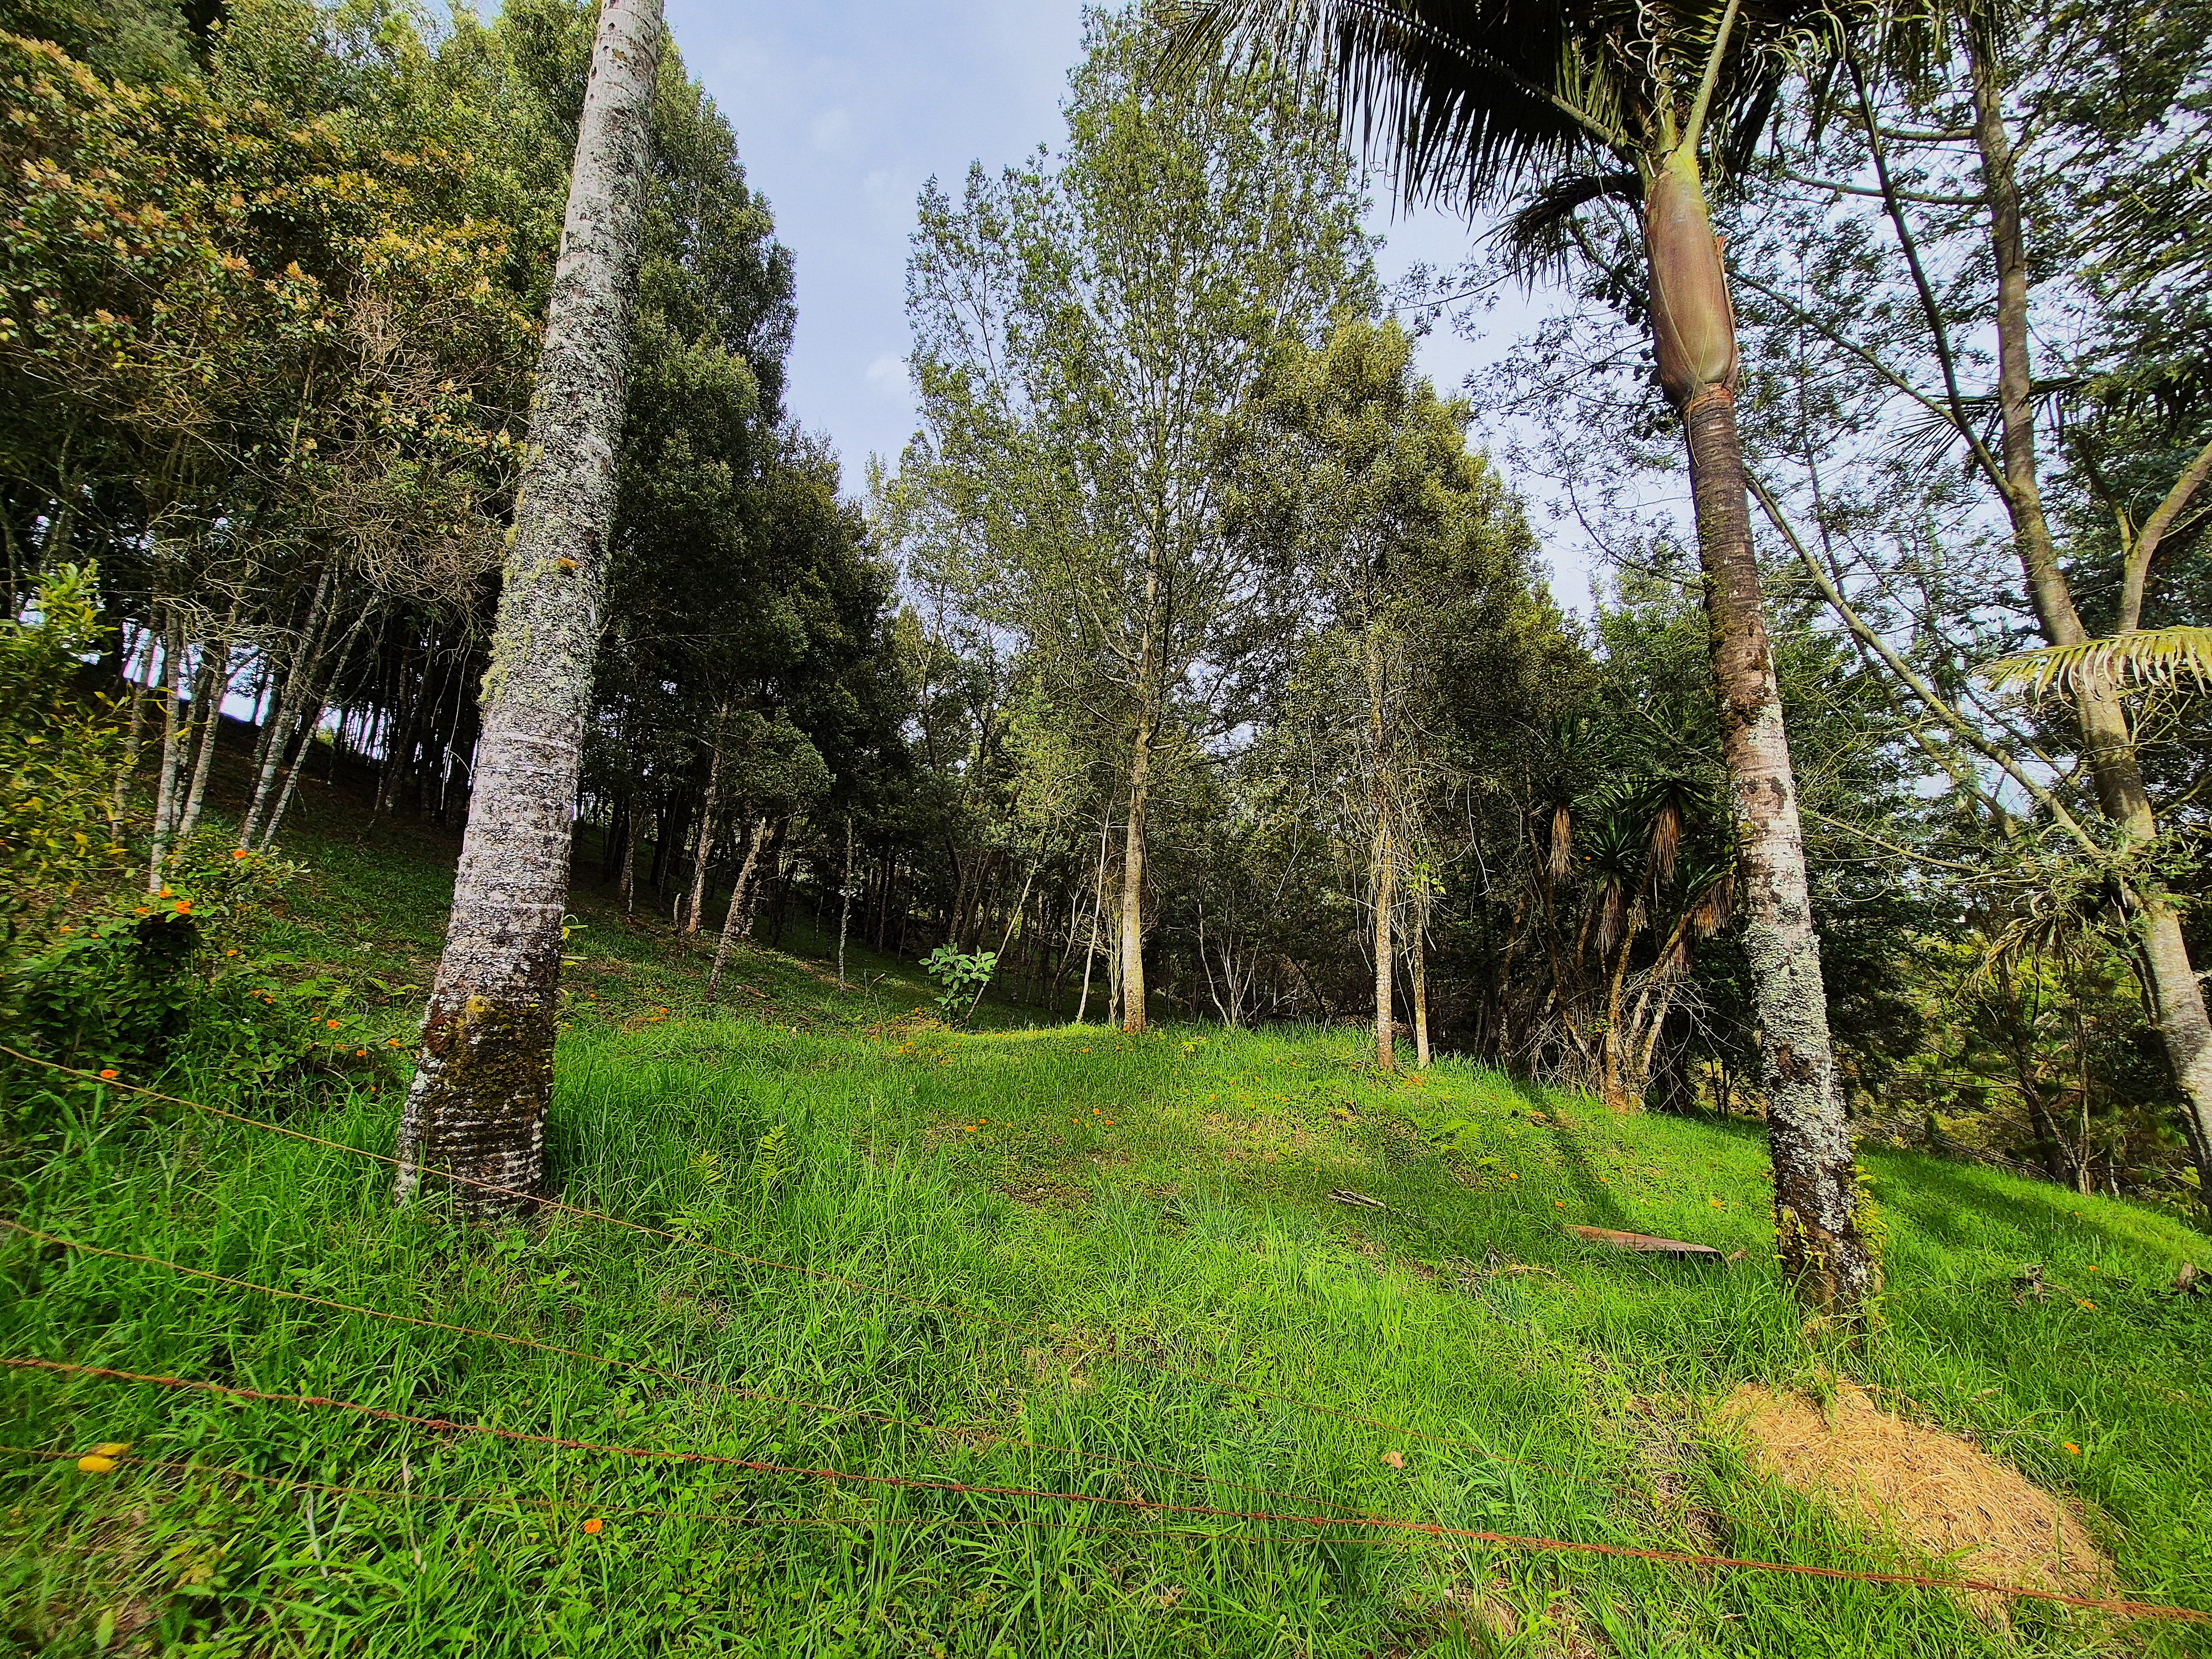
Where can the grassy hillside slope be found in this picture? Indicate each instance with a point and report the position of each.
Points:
(1059, 1260)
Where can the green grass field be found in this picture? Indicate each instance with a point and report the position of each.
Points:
(1059, 1260)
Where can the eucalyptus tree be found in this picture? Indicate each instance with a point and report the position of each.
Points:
(1549, 109)
(1085, 327)
(482, 1081)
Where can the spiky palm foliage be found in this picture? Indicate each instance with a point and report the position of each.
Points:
(1487, 105)
(2148, 657)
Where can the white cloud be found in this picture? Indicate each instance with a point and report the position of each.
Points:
(886, 376)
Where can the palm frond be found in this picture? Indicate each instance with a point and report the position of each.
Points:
(2144, 656)
(1535, 237)
(1478, 102)
(1464, 105)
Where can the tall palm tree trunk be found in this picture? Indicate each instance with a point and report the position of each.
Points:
(484, 1078)
(1824, 1253)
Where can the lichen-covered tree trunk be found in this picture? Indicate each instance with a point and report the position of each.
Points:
(1824, 1253)
(484, 1078)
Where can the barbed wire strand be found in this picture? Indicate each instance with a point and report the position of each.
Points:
(976, 1434)
(1247, 1389)
(1407, 1529)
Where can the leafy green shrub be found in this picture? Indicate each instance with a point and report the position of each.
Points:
(95, 972)
(960, 979)
(60, 753)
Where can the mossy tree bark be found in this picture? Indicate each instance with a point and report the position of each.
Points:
(485, 1076)
(1824, 1252)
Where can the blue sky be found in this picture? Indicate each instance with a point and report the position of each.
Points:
(843, 108)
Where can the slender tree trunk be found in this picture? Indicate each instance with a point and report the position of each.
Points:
(1386, 898)
(1420, 996)
(2177, 1000)
(1131, 983)
(704, 854)
(165, 798)
(139, 688)
(214, 686)
(1097, 906)
(737, 917)
(278, 738)
(845, 907)
(314, 723)
(1823, 1254)
(626, 876)
(485, 1076)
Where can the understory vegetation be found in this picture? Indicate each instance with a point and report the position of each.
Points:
(1059, 1259)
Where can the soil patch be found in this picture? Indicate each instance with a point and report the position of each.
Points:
(1940, 1494)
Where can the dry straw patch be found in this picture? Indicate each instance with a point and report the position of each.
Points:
(1932, 1491)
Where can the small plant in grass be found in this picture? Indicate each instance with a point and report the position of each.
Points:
(960, 979)
(695, 1223)
(774, 1159)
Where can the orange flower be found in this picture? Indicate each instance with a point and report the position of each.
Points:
(2072, 1449)
(392, 1042)
(2084, 1302)
(183, 907)
(332, 1023)
(110, 1071)
(593, 1525)
(239, 852)
(361, 1053)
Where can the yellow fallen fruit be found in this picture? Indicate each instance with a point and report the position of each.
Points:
(110, 1449)
(96, 1464)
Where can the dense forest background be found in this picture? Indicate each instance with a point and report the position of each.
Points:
(1194, 659)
